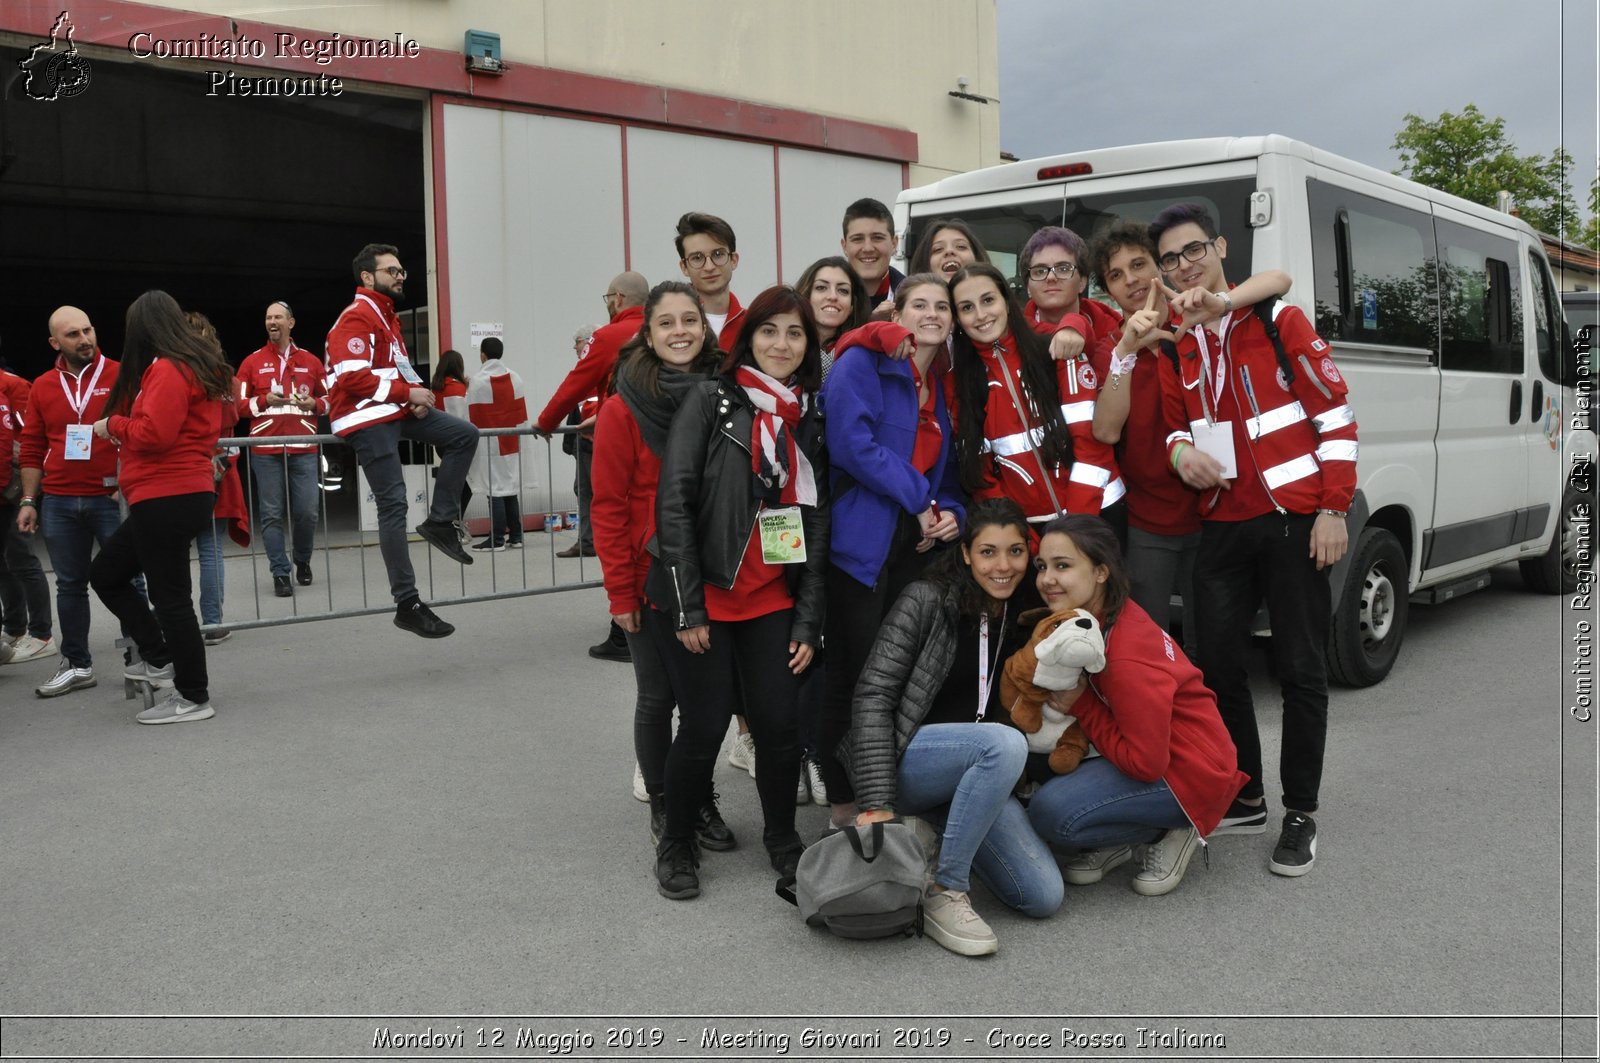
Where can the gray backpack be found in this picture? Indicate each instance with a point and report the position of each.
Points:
(861, 882)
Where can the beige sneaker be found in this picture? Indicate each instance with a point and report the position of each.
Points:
(28, 648)
(1165, 861)
(1091, 865)
(948, 918)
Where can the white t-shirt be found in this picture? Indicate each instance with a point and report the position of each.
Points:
(716, 321)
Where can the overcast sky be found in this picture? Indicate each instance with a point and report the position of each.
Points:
(1339, 75)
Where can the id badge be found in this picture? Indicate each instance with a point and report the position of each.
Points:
(408, 374)
(783, 537)
(79, 441)
(1217, 441)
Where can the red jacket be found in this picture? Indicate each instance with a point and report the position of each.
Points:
(1089, 485)
(44, 429)
(1150, 714)
(1158, 502)
(1295, 441)
(1093, 321)
(370, 376)
(16, 393)
(169, 436)
(230, 505)
(8, 435)
(266, 372)
(585, 384)
(623, 510)
(733, 325)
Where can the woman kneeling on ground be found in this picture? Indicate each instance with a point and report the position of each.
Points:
(928, 735)
(1167, 769)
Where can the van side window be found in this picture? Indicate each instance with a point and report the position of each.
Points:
(1547, 321)
(1480, 307)
(1373, 265)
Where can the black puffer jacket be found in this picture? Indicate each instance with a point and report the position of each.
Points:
(908, 666)
(706, 509)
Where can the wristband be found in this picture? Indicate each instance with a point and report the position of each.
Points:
(28, 500)
(1340, 513)
(1177, 452)
(1227, 300)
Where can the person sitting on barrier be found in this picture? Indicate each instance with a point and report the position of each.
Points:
(166, 413)
(929, 735)
(282, 386)
(495, 399)
(1166, 770)
(377, 399)
(671, 354)
(69, 483)
(737, 583)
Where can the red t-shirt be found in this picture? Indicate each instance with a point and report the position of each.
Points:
(757, 590)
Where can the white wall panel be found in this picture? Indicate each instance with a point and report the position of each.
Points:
(815, 188)
(670, 174)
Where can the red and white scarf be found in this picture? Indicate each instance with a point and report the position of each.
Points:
(775, 457)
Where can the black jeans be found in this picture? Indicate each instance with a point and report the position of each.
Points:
(1239, 563)
(652, 711)
(850, 627)
(752, 655)
(24, 593)
(155, 539)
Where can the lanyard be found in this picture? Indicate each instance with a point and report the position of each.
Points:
(985, 673)
(79, 401)
(284, 358)
(1207, 383)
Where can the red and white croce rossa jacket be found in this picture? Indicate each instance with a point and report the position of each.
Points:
(266, 372)
(369, 373)
(1089, 485)
(1294, 440)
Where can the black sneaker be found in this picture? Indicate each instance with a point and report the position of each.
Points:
(1297, 846)
(1243, 819)
(282, 587)
(614, 648)
(786, 861)
(658, 818)
(413, 616)
(302, 573)
(675, 869)
(444, 535)
(710, 830)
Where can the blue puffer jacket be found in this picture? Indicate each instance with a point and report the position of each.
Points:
(871, 406)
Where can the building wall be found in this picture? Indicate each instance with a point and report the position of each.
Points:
(890, 63)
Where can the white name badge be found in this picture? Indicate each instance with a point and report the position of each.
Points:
(79, 442)
(783, 537)
(1217, 441)
(403, 365)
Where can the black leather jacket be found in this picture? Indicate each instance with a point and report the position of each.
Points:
(706, 509)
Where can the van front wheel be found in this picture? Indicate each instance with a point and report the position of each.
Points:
(1365, 635)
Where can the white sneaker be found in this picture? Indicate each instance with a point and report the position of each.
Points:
(802, 788)
(1091, 865)
(28, 648)
(144, 672)
(7, 638)
(819, 789)
(175, 708)
(948, 918)
(743, 753)
(5, 652)
(639, 792)
(66, 680)
(1165, 861)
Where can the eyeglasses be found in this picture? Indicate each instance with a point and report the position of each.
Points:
(394, 272)
(1064, 270)
(610, 296)
(1193, 252)
(698, 259)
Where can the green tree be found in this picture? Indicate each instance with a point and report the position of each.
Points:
(1469, 155)
(1590, 235)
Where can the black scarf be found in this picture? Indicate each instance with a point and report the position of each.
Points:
(653, 413)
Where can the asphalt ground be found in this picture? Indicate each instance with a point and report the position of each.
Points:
(443, 833)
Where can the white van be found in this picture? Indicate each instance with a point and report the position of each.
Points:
(1476, 426)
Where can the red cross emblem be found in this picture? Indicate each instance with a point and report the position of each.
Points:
(506, 411)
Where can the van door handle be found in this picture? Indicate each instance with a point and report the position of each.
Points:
(1516, 401)
(1536, 405)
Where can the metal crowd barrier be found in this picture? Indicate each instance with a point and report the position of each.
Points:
(344, 554)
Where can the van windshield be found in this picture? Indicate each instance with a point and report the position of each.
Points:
(1004, 230)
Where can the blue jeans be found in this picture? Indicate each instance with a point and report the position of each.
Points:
(71, 526)
(210, 543)
(961, 775)
(1097, 806)
(267, 476)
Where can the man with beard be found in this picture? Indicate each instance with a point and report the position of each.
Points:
(69, 482)
(281, 386)
(376, 399)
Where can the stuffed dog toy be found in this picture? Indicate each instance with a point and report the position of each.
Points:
(1063, 647)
